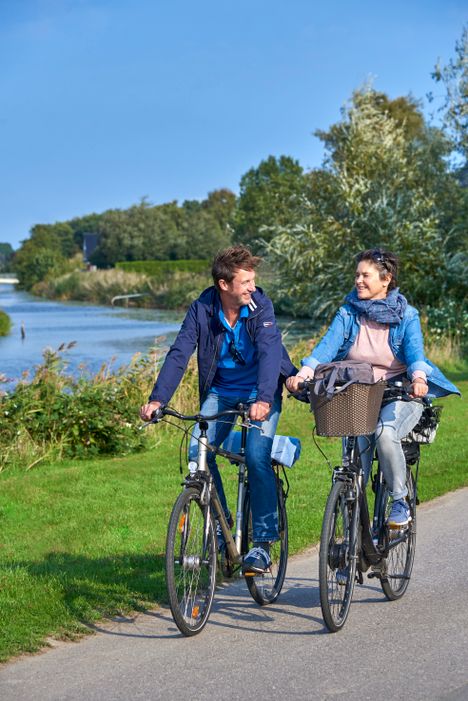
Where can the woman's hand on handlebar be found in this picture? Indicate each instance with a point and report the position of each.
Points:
(419, 388)
(147, 410)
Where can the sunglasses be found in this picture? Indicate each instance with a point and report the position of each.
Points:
(236, 354)
(379, 257)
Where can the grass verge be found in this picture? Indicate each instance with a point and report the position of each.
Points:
(82, 540)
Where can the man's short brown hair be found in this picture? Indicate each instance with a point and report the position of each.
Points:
(227, 262)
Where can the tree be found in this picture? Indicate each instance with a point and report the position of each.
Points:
(454, 110)
(63, 234)
(6, 255)
(221, 204)
(38, 257)
(271, 195)
(381, 185)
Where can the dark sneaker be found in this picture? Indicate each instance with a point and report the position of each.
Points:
(399, 515)
(256, 561)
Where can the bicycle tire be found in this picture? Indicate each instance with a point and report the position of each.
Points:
(190, 562)
(398, 565)
(265, 588)
(337, 557)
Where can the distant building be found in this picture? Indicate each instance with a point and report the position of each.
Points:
(90, 241)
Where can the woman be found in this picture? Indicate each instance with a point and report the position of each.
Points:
(378, 326)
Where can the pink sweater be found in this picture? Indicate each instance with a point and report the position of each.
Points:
(371, 346)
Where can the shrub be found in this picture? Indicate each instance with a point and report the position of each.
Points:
(54, 414)
(5, 323)
(156, 268)
(169, 291)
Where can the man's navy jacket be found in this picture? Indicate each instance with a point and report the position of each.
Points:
(202, 329)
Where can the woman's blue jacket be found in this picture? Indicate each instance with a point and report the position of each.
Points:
(405, 340)
(203, 330)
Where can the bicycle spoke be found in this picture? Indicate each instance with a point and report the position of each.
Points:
(337, 564)
(190, 563)
(266, 588)
(398, 564)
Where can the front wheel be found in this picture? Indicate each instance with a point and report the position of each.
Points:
(190, 562)
(337, 560)
(266, 588)
(398, 566)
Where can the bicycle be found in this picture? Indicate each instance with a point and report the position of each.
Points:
(351, 541)
(192, 541)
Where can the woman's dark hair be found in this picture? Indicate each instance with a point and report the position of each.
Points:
(227, 262)
(385, 261)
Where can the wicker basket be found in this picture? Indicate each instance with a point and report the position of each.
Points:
(352, 412)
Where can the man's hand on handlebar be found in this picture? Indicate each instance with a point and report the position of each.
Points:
(259, 411)
(293, 382)
(147, 410)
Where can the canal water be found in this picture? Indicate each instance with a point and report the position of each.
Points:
(100, 334)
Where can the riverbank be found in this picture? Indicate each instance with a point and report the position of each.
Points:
(82, 540)
(171, 290)
(5, 323)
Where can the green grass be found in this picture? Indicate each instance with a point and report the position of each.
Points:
(81, 540)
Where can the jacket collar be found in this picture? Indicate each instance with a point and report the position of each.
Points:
(209, 298)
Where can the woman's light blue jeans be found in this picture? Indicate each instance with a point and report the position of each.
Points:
(263, 499)
(396, 419)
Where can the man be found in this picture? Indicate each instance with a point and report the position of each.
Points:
(240, 359)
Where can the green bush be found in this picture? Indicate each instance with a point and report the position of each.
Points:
(161, 267)
(55, 415)
(5, 323)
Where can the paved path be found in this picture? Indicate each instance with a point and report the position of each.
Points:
(415, 648)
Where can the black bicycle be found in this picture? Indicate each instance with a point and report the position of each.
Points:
(351, 541)
(192, 542)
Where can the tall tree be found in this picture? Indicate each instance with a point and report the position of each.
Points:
(454, 77)
(6, 255)
(381, 185)
(270, 196)
(38, 257)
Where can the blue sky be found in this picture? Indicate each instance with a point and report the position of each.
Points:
(103, 102)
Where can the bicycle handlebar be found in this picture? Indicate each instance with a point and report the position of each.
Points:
(166, 411)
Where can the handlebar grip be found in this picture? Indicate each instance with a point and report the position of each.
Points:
(157, 415)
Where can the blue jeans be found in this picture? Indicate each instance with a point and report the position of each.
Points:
(396, 419)
(263, 499)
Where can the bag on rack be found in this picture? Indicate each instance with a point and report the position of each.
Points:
(330, 378)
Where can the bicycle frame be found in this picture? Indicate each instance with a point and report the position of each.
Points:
(370, 553)
(209, 495)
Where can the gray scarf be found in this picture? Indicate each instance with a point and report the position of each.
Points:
(384, 311)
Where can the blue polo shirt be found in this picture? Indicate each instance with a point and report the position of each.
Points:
(236, 378)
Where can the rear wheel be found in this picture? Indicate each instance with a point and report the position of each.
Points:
(398, 565)
(265, 588)
(337, 561)
(190, 562)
